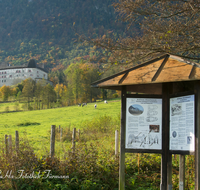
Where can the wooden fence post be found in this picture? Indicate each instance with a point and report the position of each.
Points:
(10, 144)
(59, 128)
(78, 134)
(6, 144)
(116, 143)
(17, 141)
(52, 143)
(68, 129)
(61, 132)
(73, 140)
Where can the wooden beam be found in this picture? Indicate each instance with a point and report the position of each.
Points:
(155, 88)
(192, 73)
(160, 68)
(123, 78)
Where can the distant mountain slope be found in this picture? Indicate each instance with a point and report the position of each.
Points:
(43, 29)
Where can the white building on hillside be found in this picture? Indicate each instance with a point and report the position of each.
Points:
(11, 75)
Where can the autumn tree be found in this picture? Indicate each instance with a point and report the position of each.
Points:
(61, 91)
(154, 27)
(28, 89)
(14, 91)
(49, 95)
(5, 92)
(89, 74)
(79, 78)
(73, 74)
(39, 91)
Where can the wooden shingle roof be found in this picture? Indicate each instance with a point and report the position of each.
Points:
(150, 75)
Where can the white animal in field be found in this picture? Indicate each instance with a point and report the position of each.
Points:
(105, 102)
(84, 104)
(95, 106)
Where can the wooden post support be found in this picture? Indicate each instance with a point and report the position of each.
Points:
(6, 144)
(122, 140)
(59, 128)
(17, 141)
(197, 136)
(10, 144)
(138, 154)
(52, 143)
(165, 136)
(116, 143)
(73, 139)
(169, 176)
(181, 172)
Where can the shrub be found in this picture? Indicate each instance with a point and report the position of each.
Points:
(30, 108)
(7, 109)
(16, 106)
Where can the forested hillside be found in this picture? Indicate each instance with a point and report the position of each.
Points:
(45, 30)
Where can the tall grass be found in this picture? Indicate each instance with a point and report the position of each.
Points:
(93, 165)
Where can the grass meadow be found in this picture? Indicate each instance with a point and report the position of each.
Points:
(36, 124)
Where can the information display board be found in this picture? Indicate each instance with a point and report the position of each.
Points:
(143, 123)
(182, 123)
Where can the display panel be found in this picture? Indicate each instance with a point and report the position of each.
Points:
(143, 123)
(182, 123)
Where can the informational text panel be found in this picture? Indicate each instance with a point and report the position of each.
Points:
(144, 123)
(182, 123)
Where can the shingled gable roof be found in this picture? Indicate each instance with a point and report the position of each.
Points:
(150, 75)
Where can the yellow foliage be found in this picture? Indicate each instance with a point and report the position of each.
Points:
(22, 44)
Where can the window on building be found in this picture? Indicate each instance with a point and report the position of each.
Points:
(29, 71)
(10, 76)
(31, 74)
(4, 80)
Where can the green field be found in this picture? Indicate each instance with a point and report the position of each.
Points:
(37, 124)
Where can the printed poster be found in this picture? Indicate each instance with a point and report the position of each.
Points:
(182, 123)
(143, 123)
